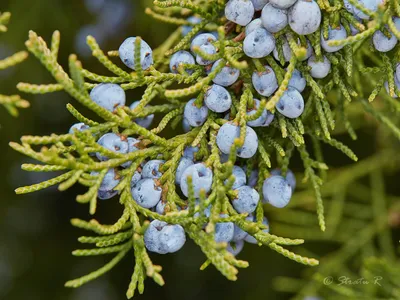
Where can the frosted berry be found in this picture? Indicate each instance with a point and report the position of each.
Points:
(372, 5)
(108, 95)
(291, 104)
(161, 237)
(319, 69)
(240, 234)
(190, 152)
(297, 81)
(397, 74)
(135, 178)
(202, 177)
(235, 247)
(259, 43)
(202, 39)
(291, 179)
(348, 6)
(268, 121)
(193, 20)
(305, 17)
(224, 231)
(185, 125)
(218, 99)
(250, 239)
(227, 135)
(152, 237)
(274, 19)
(287, 51)
(253, 178)
(396, 82)
(181, 57)
(227, 76)
(240, 177)
(265, 82)
(282, 3)
(78, 127)
(334, 34)
(259, 4)
(184, 163)
(239, 11)
(277, 191)
(146, 121)
(172, 237)
(112, 142)
(208, 49)
(195, 116)
(382, 43)
(253, 25)
(246, 200)
(110, 181)
(146, 192)
(260, 121)
(152, 169)
(132, 146)
(127, 53)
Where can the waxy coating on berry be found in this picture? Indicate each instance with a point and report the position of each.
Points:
(184, 163)
(291, 179)
(108, 95)
(218, 99)
(282, 3)
(202, 178)
(179, 58)
(226, 137)
(261, 120)
(227, 76)
(259, 4)
(161, 237)
(109, 182)
(259, 43)
(291, 104)
(152, 169)
(224, 231)
(297, 81)
(274, 19)
(265, 82)
(305, 17)
(195, 116)
(202, 39)
(250, 239)
(246, 200)
(146, 121)
(253, 25)
(240, 177)
(334, 34)
(146, 192)
(127, 53)
(239, 11)
(277, 191)
(319, 69)
(193, 20)
(235, 247)
(78, 127)
(113, 142)
(208, 49)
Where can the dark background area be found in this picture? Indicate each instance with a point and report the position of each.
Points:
(36, 238)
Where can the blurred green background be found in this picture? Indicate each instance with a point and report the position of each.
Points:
(36, 238)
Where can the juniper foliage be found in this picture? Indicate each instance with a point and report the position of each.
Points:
(333, 106)
(11, 103)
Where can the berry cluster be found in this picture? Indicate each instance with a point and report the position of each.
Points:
(257, 79)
